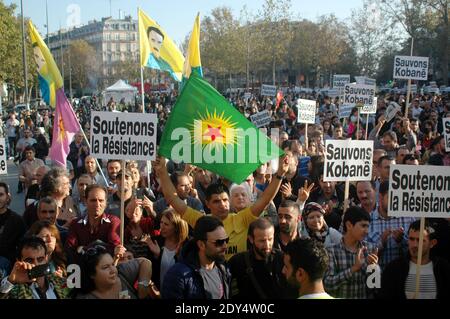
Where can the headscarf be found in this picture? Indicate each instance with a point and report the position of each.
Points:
(306, 232)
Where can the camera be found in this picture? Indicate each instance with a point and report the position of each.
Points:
(40, 271)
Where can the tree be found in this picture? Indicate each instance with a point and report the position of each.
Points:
(11, 50)
(369, 37)
(275, 26)
(83, 64)
(426, 21)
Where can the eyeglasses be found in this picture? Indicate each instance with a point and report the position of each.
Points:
(221, 242)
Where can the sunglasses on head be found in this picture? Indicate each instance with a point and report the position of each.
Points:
(221, 242)
(95, 250)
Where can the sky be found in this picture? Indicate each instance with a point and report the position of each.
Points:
(176, 17)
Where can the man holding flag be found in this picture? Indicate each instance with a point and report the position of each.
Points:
(217, 200)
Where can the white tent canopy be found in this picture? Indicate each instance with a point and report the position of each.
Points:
(118, 91)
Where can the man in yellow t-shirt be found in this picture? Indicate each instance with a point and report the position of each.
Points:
(217, 200)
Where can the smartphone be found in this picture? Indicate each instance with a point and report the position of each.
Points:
(40, 271)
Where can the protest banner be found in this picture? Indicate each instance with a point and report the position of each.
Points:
(446, 123)
(367, 109)
(340, 80)
(348, 160)
(261, 119)
(413, 87)
(391, 111)
(419, 191)
(345, 110)
(247, 95)
(307, 111)
(411, 68)
(333, 93)
(3, 159)
(125, 136)
(359, 94)
(370, 109)
(365, 80)
(268, 90)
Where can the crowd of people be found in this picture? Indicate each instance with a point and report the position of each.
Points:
(192, 234)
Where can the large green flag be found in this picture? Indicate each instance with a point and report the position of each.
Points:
(206, 131)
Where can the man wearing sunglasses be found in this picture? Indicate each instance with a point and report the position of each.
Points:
(201, 274)
(217, 200)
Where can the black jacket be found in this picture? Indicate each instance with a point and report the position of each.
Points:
(184, 280)
(12, 229)
(393, 279)
(268, 274)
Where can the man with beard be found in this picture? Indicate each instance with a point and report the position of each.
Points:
(288, 224)
(113, 167)
(399, 277)
(263, 266)
(305, 263)
(201, 273)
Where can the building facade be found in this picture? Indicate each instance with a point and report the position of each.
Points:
(114, 40)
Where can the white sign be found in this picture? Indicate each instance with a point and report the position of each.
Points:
(411, 68)
(359, 94)
(446, 122)
(261, 119)
(247, 95)
(124, 136)
(333, 93)
(413, 87)
(3, 159)
(345, 110)
(348, 160)
(392, 111)
(419, 191)
(307, 111)
(340, 80)
(268, 90)
(370, 109)
(365, 80)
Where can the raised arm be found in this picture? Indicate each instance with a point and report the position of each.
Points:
(169, 191)
(273, 187)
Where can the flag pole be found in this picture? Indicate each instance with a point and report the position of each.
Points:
(419, 257)
(408, 93)
(367, 124)
(24, 57)
(122, 203)
(149, 163)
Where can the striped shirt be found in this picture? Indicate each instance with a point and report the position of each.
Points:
(428, 289)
